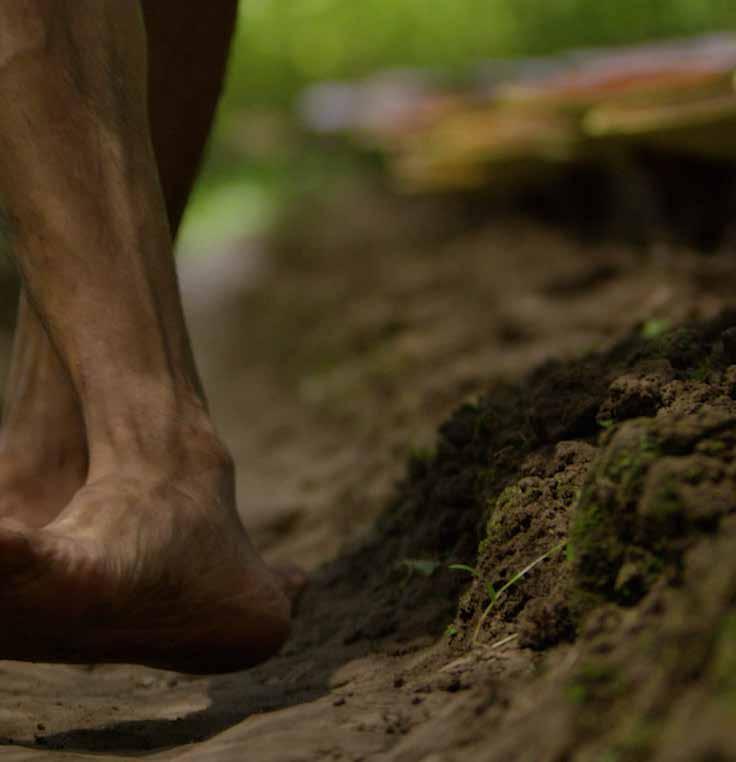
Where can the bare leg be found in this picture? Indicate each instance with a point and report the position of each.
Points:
(43, 448)
(43, 457)
(188, 51)
(149, 561)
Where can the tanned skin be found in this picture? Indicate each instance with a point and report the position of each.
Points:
(119, 535)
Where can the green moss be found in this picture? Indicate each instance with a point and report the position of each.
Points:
(694, 474)
(680, 347)
(487, 479)
(712, 446)
(483, 422)
(497, 527)
(568, 493)
(588, 519)
(511, 494)
(629, 463)
(701, 372)
(576, 694)
(594, 681)
(420, 461)
(654, 328)
(635, 576)
(605, 519)
(610, 755)
(638, 742)
(666, 502)
(595, 548)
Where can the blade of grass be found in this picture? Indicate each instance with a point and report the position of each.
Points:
(503, 641)
(512, 581)
(464, 567)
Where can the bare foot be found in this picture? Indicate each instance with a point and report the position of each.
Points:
(137, 570)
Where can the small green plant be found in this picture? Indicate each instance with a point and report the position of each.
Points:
(493, 594)
(423, 567)
(654, 328)
(421, 454)
(702, 372)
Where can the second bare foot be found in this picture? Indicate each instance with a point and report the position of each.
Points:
(141, 570)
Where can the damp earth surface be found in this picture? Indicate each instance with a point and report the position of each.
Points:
(408, 388)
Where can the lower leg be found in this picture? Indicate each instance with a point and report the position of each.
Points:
(43, 447)
(43, 458)
(153, 535)
(188, 46)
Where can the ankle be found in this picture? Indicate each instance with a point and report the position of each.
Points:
(168, 443)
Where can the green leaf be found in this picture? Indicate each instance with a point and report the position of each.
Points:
(465, 568)
(655, 327)
(491, 591)
(425, 568)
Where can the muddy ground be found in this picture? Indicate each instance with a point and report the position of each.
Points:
(585, 394)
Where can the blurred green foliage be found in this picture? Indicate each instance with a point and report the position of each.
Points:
(283, 45)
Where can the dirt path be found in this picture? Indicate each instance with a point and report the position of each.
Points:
(331, 357)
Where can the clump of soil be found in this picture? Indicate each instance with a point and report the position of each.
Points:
(621, 647)
(629, 455)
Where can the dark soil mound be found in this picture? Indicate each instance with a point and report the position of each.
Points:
(635, 444)
(628, 458)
